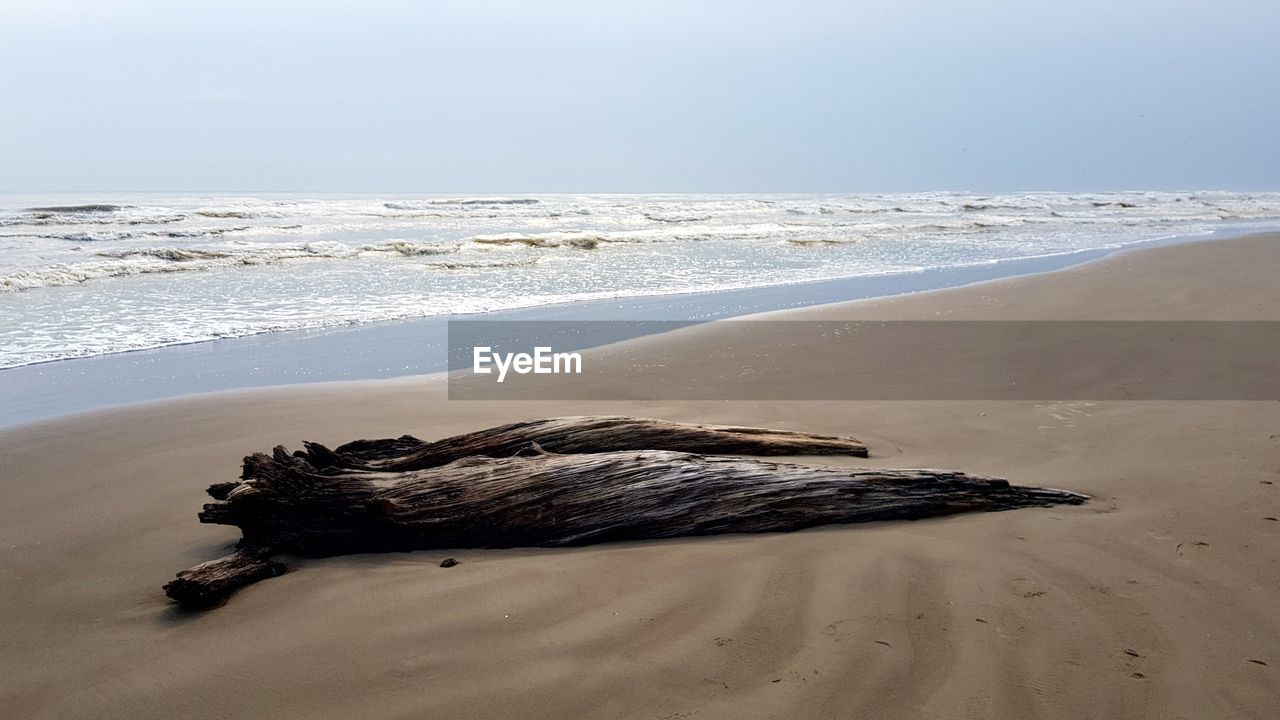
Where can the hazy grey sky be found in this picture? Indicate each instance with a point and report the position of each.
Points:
(695, 95)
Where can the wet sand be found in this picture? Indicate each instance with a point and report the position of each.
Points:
(1155, 600)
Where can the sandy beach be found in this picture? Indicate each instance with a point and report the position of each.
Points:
(1154, 600)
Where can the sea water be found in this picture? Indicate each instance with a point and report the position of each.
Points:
(87, 275)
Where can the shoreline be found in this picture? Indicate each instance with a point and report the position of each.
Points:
(416, 347)
(1111, 609)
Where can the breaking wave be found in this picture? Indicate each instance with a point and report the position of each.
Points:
(82, 236)
(462, 202)
(173, 254)
(674, 218)
(808, 242)
(90, 208)
(412, 249)
(147, 260)
(222, 214)
(485, 265)
(549, 240)
(144, 261)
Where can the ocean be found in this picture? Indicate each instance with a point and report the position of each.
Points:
(90, 275)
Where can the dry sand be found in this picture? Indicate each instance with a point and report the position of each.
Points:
(1156, 600)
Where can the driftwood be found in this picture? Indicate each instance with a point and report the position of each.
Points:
(208, 583)
(328, 502)
(580, 434)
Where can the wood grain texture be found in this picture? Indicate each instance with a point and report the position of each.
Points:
(362, 498)
(580, 434)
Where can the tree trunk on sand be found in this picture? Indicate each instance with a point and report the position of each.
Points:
(324, 502)
(581, 434)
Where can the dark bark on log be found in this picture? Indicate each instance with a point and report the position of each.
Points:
(582, 434)
(531, 498)
(552, 500)
(209, 583)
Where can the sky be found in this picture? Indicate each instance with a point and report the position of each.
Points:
(687, 96)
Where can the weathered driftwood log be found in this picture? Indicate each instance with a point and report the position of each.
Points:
(208, 583)
(284, 503)
(581, 434)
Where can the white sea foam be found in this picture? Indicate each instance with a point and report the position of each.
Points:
(88, 275)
